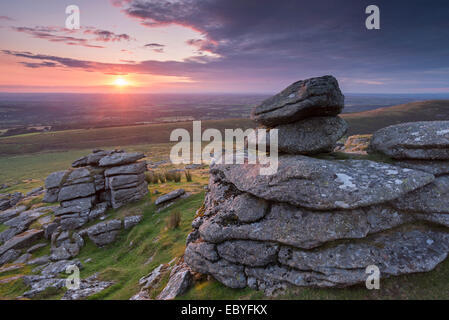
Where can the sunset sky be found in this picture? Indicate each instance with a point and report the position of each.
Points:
(257, 46)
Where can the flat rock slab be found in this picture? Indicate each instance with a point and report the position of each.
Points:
(117, 159)
(125, 181)
(394, 253)
(133, 168)
(309, 136)
(121, 197)
(414, 140)
(88, 287)
(433, 198)
(169, 196)
(55, 179)
(435, 167)
(104, 233)
(54, 268)
(342, 265)
(230, 274)
(22, 240)
(39, 284)
(131, 221)
(303, 99)
(249, 253)
(93, 158)
(76, 191)
(106, 226)
(324, 184)
(11, 213)
(303, 228)
(8, 256)
(79, 175)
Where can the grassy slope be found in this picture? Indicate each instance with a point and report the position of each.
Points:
(105, 137)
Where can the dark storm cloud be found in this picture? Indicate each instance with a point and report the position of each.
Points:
(294, 38)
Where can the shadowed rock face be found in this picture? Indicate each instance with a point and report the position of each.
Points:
(414, 140)
(303, 99)
(323, 184)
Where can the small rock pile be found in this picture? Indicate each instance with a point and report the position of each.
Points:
(319, 222)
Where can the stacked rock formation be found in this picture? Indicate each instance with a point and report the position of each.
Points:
(97, 181)
(305, 115)
(321, 222)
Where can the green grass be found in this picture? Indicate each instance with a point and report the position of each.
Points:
(124, 261)
(107, 137)
(3, 227)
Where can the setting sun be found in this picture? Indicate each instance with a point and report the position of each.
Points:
(120, 82)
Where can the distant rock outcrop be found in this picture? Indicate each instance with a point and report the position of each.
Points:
(98, 181)
(318, 222)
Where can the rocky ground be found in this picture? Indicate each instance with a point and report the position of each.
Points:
(86, 193)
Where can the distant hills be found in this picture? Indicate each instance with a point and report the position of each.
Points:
(373, 120)
(359, 123)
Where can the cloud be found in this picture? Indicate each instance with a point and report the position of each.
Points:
(106, 36)
(58, 34)
(156, 47)
(288, 40)
(265, 45)
(6, 18)
(39, 65)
